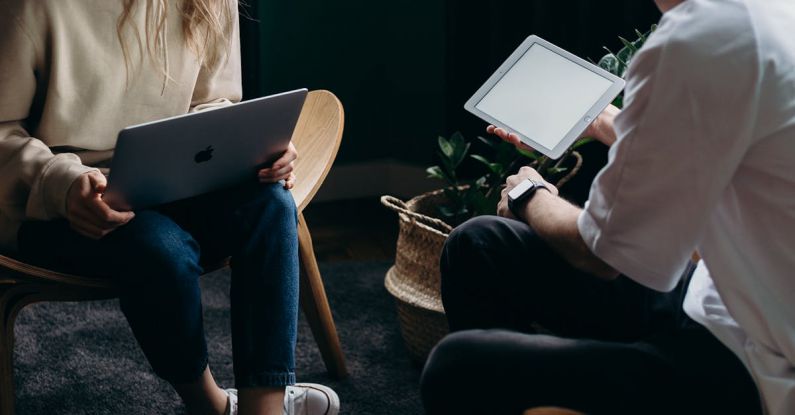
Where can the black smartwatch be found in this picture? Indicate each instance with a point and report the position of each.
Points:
(521, 194)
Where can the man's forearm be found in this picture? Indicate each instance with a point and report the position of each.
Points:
(555, 220)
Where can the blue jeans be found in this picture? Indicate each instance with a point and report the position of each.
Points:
(155, 259)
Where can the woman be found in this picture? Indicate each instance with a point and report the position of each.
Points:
(74, 73)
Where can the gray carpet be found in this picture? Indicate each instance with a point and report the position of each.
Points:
(81, 358)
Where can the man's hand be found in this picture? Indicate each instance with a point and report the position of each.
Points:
(87, 213)
(601, 129)
(508, 137)
(512, 181)
(282, 169)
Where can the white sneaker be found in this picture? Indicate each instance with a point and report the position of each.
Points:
(301, 399)
(310, 399)
(231, 405)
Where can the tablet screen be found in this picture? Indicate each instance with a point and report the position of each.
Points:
(543, 95)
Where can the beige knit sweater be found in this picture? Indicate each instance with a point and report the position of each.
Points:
(64, 92)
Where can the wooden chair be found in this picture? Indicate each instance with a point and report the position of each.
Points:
(317, 137)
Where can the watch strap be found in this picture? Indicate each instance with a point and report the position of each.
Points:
(516, 205)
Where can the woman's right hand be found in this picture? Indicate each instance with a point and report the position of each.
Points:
(87, 213)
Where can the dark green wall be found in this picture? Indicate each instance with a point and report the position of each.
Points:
(384, 60)
(403, 69)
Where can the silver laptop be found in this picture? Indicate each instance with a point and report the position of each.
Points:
(192, 154)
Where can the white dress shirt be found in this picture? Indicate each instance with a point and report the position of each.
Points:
(705, 159)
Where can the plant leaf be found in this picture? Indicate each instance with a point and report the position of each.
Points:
(480, 204)
(495, 168)
(446, 147)
(480, 158)
(581, 142)
(506, 153)
(532, 155)
(457, 139)
(486, 141)
(460, 150)
(609, 63)
(435, 172)
(448, 169)
(628, 45)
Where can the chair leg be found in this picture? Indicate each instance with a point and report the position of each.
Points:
(316, 307)
(6, 367)
(12, 299)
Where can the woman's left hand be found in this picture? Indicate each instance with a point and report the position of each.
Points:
(282, 169)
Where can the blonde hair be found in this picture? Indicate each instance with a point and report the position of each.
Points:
(206, 28)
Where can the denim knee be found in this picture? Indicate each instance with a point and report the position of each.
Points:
(159, 251)
(271, 208)
(277, 198)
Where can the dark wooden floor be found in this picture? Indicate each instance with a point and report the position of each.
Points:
(352, 230)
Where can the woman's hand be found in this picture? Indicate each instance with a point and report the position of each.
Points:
(87, 213)
(282, 169)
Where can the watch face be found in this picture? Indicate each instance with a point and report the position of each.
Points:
(520, 189)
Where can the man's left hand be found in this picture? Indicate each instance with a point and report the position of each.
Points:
(512, 181)
(282, 169)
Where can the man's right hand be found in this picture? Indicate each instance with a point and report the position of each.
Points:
(602, 127)
(87, 213)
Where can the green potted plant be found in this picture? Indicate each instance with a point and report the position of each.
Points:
(426, 220)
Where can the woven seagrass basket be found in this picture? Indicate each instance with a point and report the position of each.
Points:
(414, 280)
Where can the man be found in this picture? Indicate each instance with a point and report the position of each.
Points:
(703, 160)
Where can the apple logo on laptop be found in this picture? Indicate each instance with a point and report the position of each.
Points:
(204, 155)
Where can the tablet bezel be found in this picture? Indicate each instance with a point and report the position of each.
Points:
(584, 120)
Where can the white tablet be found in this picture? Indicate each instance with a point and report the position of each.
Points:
(545, 95)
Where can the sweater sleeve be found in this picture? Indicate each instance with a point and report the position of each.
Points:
(34, 181)
(220, 84)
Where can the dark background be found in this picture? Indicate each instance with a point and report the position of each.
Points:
(403, 69)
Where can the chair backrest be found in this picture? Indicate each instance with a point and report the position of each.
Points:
(317, 138)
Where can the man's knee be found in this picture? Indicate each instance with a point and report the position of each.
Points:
(467, 241)
(447, 370)
(479, 246)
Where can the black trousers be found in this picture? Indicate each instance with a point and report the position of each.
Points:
(529, 330)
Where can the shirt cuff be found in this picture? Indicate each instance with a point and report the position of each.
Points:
(47, 198)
